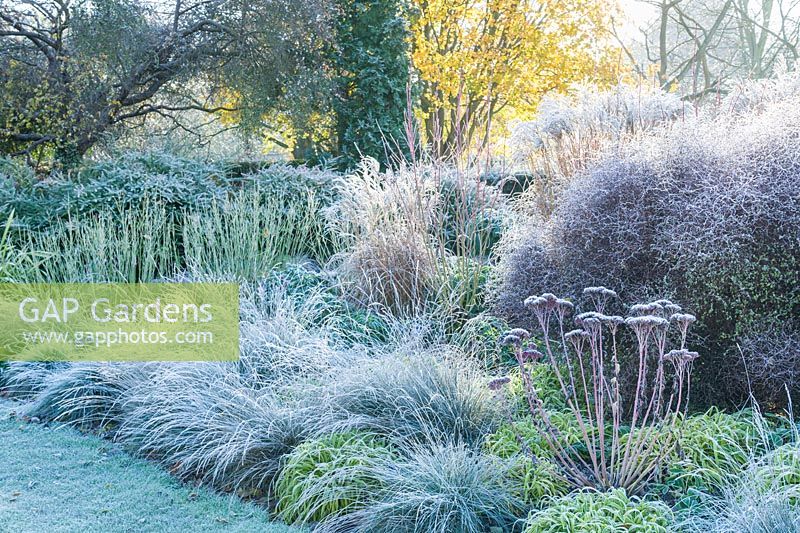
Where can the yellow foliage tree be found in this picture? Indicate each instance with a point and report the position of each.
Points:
(477, 58)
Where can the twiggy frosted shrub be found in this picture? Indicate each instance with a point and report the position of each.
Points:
(600, 512)
(588, 372)
(439, 489)
(704, 212)
(419, 398)
(330, 476)
(768, 363)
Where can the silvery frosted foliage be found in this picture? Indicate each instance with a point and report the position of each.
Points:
(620, 110)
(588, 365)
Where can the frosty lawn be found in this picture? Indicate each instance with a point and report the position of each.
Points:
(56, 479)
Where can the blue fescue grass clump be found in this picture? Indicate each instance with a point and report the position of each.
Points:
(439, 489)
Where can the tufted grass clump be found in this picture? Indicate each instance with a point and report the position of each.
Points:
(437, 489)
(329, 476)
(427, 397)
(87, 395)
(203, 421)
(248, 233)
(600, 512)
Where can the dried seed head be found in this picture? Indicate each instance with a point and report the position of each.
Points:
(535, 303)
(577, 338)
(645, 324)
(599, 291)
(646, 309)
(681, 356)
(576, 334)
(498, 383)
(684, 319)
(583, 317)
(564, 304)
(531, 355)
(510, 340)
(519, 332)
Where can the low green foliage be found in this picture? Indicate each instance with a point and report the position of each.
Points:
(600, 512)
(505, 441)
(712, 447)
(533, 475)
(329, 476)
(781, 468)
(478, 338)
(545, 381)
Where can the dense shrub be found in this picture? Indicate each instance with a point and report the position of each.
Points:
(443, 489)
(329, 476)
(704, 212)
(129, 180)
(600, 512)
(768, 363)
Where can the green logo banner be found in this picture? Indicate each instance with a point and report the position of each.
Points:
(119, 322)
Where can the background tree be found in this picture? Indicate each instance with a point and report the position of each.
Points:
(700, 46)
(75, 71)
(372, 73)
(477, 57)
